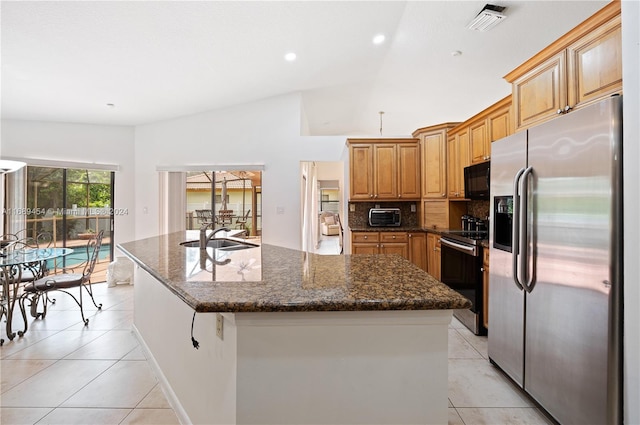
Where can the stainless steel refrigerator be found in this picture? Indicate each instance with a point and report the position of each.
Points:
(555, 286)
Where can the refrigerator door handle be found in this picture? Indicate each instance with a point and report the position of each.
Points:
(525, 278)
(515, 230)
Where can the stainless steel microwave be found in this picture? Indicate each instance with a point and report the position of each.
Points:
(384, 217)
(476, 181)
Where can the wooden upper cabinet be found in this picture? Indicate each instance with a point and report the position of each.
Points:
(361, 171)
(499, 122)
(539, 94)
(384, 169)
(457, 159)
(435, 166)
(479, 141)
(409, 171)
(433, 144)
(385, 166)
(594, 64)
(579, 68)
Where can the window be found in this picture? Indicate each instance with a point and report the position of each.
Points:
(238, 194)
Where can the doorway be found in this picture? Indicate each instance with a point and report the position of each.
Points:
(322, 192)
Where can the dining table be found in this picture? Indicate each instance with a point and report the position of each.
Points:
(18, 267)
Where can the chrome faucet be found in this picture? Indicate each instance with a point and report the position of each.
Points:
(203, 234)
(204, 240)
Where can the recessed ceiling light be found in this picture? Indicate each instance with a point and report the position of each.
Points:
(111, 105)
(290, 57)
(456, 53)
(378, 39)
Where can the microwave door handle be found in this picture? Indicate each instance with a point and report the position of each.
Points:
(515, 229)
(527, 276)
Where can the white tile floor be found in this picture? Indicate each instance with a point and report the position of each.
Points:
(328, 245)
(61, 372)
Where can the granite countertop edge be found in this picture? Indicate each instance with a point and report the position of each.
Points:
(370, 283)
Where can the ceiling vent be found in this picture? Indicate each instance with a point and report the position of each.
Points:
(488, 18)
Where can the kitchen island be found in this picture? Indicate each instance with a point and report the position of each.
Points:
(290, 337)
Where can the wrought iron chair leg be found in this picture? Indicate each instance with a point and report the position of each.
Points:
(90, 291)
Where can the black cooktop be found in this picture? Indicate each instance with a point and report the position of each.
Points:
(470, 237)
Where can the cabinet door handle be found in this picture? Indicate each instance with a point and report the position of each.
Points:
(481, 269)
(559, 111)
(366, 237)
(443, 195)
(371, 195)
(567, 108)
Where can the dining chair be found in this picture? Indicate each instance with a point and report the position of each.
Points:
(203, 216)
(36, 269)
(242, 220)
(225, 217)
(38, 290)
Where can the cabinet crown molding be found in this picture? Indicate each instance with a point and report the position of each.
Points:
(504, 102)
(351, 141)
(437, 127)
(605, 14)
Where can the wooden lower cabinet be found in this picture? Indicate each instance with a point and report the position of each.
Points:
(418, 249)
(485, 287)
(410, 245)
(394, 243)
(365, 242)
(433, 255)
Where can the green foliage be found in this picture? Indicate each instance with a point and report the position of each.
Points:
(85, 188)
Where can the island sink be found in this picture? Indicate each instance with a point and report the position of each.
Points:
(220, 243)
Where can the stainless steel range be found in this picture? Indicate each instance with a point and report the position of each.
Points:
(461, 270)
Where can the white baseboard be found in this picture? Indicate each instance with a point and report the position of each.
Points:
(164, 383)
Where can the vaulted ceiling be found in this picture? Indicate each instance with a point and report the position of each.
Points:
(155, 60)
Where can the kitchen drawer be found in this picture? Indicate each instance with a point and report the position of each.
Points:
(393, 237)
(357, 237)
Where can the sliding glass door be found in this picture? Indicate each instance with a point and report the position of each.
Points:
(72, 205)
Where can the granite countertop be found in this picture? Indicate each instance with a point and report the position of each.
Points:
(387, 229)
(290, 280)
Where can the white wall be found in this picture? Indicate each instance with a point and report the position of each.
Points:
(80, 143)
(631, 233)
(265, 132)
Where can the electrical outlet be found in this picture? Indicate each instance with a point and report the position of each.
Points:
(352, 207)
(413, 207)
(219, 325)
(377, 205)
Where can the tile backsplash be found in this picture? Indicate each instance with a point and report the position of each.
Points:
(360, 217)
(478, 209)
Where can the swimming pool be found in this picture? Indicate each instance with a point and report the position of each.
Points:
(78, 256)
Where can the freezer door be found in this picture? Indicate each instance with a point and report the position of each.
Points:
(573, 209)
(506, 300)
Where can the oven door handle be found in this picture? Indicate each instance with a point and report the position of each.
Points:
(515, 230)
(460, 247)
